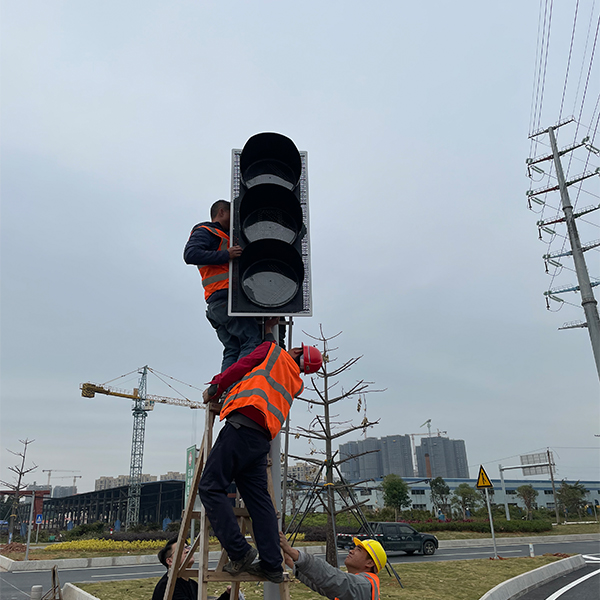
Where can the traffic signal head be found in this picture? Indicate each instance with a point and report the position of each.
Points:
(269, 220)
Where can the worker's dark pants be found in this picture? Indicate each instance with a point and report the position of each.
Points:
(240, 455)
(239, 335)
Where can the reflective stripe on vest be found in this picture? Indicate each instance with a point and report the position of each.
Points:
(374, 581)
(374, 584)
(270, 388)
(215, 277)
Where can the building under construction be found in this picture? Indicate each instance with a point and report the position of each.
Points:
(159, 500)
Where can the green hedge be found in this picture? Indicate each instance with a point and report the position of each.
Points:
(500, 525)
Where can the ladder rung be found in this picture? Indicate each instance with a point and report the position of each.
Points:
(241, 512)
(224, 576)
(196, 514)
(190, 573)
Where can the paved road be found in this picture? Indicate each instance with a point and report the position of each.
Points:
(17, 586)
(583, 584)
(512, 551)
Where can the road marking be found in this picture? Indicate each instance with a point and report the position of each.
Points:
(129, 574)
(475, 552)
(560, 592)
(591, 559)
(16, 588)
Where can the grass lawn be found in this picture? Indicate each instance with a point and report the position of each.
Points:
(456, 580)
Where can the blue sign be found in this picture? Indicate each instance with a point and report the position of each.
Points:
(38, 519)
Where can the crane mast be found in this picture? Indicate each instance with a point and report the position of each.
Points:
(137, 453)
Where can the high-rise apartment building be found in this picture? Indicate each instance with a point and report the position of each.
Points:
(442, 457)
(377, 457)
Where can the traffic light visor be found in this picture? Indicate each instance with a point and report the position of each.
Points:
(270, 158)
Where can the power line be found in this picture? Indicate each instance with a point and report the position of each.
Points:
(562, 102)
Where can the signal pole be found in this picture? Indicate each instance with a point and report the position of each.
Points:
(588, 301)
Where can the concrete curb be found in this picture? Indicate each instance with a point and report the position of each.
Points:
(12, 566)
(517, 586)
(500, 541)
(72, 592)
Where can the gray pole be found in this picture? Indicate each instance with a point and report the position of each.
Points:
(504, 492)
(588, 302)
(30, 523)
(553, 487)
(271, 590)
(487, 499)
(286, 431)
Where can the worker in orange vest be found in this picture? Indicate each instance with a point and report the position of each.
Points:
(266, 383)
(361, 582)
(209, 248)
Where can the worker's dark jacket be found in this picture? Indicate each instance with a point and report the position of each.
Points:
(202, 248)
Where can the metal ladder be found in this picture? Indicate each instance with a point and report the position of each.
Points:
(200, 543)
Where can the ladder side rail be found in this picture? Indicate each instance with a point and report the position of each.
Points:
(176, 567)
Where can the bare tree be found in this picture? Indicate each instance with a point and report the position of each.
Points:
(19, 486)
(325, 428)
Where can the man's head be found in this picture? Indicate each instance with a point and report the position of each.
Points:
(165, 555)
(220, 213)
(309, 359)
(367, 556)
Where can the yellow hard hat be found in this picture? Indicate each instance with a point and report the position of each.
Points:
(375, 550)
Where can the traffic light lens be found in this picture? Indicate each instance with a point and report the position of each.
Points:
(271, 273)
(270, 211)
(270, 171)
(270, 223)
(270, 283)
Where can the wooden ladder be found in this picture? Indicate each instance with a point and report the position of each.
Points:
(200, 543)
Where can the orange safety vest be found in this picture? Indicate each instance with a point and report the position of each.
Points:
(374, 579)
(374, 584)
(270, 388)
(215, 277)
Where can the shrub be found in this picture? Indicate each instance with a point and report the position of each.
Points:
(107, 545)
(481, 526)
(87, 530)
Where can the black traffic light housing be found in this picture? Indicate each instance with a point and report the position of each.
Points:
(269, 220)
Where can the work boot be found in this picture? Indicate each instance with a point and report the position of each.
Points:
(235, 567)
(259, 571)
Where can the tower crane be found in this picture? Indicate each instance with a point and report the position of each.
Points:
(142, 404)
(414, 447)
(50, 471)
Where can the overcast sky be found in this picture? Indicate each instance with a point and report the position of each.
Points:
(118, 120)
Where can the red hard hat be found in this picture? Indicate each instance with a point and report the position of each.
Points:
(312, 359)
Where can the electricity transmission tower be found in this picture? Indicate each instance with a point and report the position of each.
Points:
(588, 301)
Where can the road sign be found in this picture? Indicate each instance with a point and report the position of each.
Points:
(483, 481)
(38, 519)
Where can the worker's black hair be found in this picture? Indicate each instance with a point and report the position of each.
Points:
(166, 552)
(217, 206)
